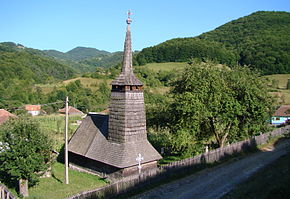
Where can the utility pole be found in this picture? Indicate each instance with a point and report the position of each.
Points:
(65, 142)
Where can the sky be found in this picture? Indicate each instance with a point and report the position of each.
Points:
(65, 24)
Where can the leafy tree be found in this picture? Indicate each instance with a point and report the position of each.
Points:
(218, 104)
(25, 151)
(288, 84)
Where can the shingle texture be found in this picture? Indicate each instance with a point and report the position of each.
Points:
(5, 115)
(118, 138)
(127, 76)
(283, 110)
(90, 140)
(71, 111)
(127, 122)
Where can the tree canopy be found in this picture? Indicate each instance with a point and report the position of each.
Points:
(213, 104)
(25, 151)
(260, 40)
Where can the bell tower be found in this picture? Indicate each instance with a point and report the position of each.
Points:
(127, 120)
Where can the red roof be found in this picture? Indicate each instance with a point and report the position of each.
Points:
(5, 115)
(283, 111)
(32, 107)
(71, 111)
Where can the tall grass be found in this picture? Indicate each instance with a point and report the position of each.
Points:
(54, 127)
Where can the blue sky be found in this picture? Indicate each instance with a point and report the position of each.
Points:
(65, 24)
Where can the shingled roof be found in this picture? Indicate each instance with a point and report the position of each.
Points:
(283, 111)
(5, 115)
(90, 140)
(71, 111)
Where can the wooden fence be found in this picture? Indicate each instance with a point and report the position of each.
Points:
(163, 172)
(4, 193)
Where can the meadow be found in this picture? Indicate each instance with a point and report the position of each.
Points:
(54, 126)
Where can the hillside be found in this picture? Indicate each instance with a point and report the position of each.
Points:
(18, 62)
(183, 49)
(260, 40)
(20, 69)
(84, 59)
(77, 54)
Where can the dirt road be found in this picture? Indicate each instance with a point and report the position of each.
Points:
(217, 181)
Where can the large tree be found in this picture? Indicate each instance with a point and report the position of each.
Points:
(25, 152)
(214, 102)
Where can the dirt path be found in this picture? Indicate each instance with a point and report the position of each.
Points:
(216, 181)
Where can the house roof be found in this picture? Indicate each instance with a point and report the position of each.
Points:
(71, 111)
(32, 107)
(283, 110)
(5, 115)
(90, 140)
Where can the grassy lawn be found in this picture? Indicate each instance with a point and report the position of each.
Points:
(54, 188)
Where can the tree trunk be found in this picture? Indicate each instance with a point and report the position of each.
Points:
(23, 187)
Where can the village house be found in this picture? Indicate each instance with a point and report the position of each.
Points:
(71, 111)
(5, 115)
(116, 144)
(281, 115)
(34, 110)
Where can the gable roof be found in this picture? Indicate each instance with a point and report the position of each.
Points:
(71, 111)
(5, 115)
(90, 140)
(282, 111)
(32, 107)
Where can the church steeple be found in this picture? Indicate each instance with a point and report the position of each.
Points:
(127, 56)
(127, 120)
(127, 77)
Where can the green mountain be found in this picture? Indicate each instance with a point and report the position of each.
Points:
(18, 62)
(82, 53)
(260, 40)
(106, 61)
(77, 54)
(84, 59)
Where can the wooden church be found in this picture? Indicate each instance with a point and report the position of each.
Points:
(116, 144)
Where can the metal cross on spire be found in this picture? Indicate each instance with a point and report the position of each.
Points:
(129, 20)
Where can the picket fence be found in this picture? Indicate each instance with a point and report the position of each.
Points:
(162, 173)
(4, 193)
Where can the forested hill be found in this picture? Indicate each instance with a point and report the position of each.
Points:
(84, 59)
(260, 40)
(78, 54)
(20, 63)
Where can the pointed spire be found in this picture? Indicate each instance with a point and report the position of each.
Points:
(127, 56)
(127, 76)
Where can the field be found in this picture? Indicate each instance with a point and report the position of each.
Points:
(277, 85)
(168, 66)
(87, 82)
(54, 125)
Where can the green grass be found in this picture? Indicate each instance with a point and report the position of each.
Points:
(168, 66)
(282, 78)
(54, 188)
(279, 91)
(87, 82)
(54, 125)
